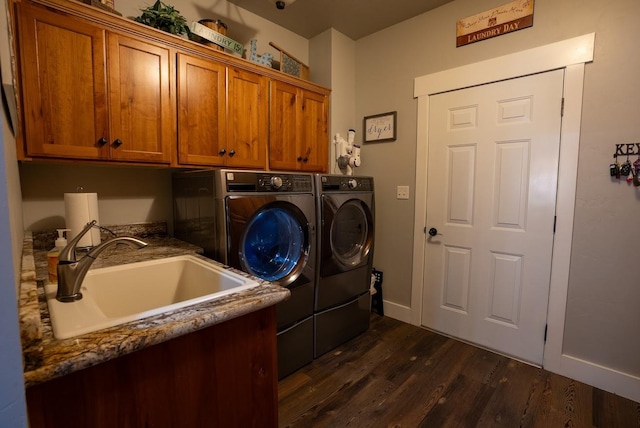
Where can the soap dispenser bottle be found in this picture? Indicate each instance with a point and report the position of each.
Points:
(52, 255)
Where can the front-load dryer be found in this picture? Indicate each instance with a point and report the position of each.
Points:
(345, 258)
(263, 223)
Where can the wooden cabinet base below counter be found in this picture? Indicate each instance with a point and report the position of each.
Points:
(224, 375)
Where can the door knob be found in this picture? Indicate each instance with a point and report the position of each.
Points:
(102, 141)
(222, 151)
(232, 152)
(433, 232)
(117, 142)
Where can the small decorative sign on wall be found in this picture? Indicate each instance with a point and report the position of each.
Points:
(380, 127)
(504, 19)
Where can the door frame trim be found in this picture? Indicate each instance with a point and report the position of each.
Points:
(570, 55)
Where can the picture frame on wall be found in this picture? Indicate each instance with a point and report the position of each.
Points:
(380, 128)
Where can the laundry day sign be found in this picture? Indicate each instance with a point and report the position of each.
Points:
(507, 18)
(217, 38)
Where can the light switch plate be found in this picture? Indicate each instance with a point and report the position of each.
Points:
(402, 192)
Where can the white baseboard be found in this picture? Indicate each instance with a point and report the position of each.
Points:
(396, 311)
(610, 380)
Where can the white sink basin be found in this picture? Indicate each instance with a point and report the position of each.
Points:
(119, 294)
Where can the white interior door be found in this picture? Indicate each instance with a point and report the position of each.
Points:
(491, 193)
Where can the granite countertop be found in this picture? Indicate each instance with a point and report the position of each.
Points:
(46, 357)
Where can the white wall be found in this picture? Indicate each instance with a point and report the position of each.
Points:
(602, 309)
(12, 399)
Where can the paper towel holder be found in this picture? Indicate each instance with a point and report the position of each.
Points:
(81, 208)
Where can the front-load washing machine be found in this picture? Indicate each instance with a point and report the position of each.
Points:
(263, 223)
(345, 258)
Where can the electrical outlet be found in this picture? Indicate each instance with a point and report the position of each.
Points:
(402, 192)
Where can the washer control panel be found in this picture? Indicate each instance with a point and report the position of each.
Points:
(246, 181)
(285, 183)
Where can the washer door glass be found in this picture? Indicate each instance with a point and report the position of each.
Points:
(350, 233)
(273, 245)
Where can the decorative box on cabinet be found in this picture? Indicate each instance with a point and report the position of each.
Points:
(92, 94)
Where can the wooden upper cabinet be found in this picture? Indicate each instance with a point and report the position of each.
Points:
(298, 136)
(97, 87)
(68, 112)
(222, 115)
(283, 131)
(64, 90)
(314, 144)
(247, 119)
(140, 91)
(201, 111)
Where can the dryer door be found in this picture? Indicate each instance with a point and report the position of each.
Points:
(274, 242)
(347, 234)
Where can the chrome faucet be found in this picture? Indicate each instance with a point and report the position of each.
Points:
(71, 272)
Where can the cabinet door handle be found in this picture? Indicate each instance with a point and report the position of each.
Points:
(305, 160)
(102, 141)
(222, 151)
(117, 142)
(232, 152)
(299, 159)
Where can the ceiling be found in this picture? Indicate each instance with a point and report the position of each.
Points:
(353, 18)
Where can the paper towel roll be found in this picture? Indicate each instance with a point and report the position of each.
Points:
(80, 209)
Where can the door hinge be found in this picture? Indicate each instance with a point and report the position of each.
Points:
(424, 230)
(545, 332)
(562, 108)
(555, 219)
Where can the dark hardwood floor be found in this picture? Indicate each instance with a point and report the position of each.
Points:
(399, 375)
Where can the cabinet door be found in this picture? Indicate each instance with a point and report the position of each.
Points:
(248, 119)
(284, 132)
(142, 111)
(201, 111)
(314, 143)
(63, 85)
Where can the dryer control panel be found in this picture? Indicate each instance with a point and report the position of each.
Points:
(346, 183)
